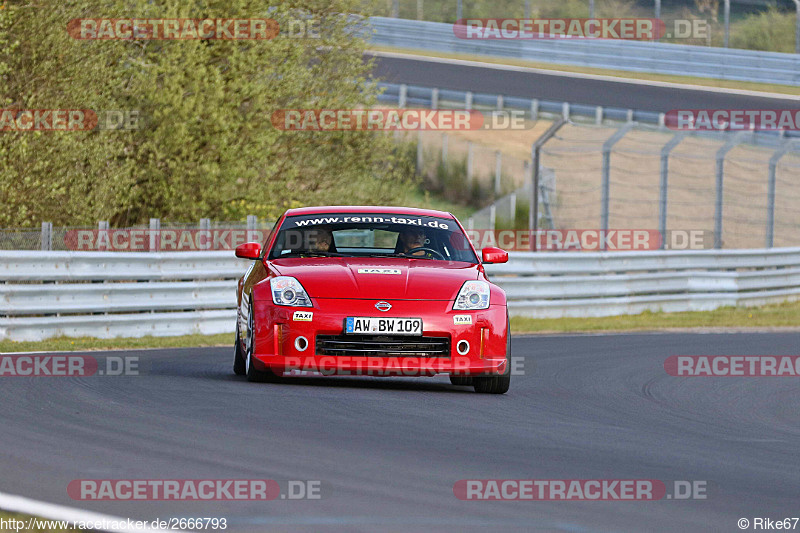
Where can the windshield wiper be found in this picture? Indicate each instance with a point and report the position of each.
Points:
(310, 253)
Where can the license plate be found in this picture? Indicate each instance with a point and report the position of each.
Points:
(365, 325)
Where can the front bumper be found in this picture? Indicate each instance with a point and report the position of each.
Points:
(277, 329)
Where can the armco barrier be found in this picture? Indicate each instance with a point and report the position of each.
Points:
(632, 56)
(107, 294)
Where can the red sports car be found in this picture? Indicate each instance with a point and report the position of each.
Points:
(371, 291)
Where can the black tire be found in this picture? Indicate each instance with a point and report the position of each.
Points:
(496, 384)
(239, 366)
(461, 381)
(253, 374)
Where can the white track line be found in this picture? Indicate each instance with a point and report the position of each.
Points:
(19, 504)
(578, 75)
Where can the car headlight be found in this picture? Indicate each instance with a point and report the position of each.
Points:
(473, 295)
(286, 290)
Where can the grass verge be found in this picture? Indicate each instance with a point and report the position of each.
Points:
(771, 316)
(68, 344)
(644, 76)
(42, 522)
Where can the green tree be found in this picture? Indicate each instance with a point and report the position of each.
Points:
(205, 147)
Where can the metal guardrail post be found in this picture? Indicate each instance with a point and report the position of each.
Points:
(402, 96)
(565, 110)
(720, 175)
(500, 102)
(533, 210)
(155, 237)
(468, 101)
(606, 183)
(435, 98)
(598, 115)
(535, 108)
(773, 163)
(47, 236)
(664, 184)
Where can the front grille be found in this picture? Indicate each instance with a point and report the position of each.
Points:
(383, 345)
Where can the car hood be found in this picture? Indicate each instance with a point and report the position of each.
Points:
(385, 279)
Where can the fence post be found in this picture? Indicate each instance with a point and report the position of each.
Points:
(435, 98)
(470, 155)
(565, 110)
(727, 22)
(598, 115)
(607, 146)
(533, 210)
(205, 228)
(773, 163)
(252, 224)
(500, 102)
(459, 10)
(498, 171)
(591, 9)
(419, 153)
(47, 236)
(444, 148)
(664, 184)
(720, 175)
(797, 28)
(535, 107)
(155, 237)
(468, 101)
(402, 96)
(102, 226)
(658, 9)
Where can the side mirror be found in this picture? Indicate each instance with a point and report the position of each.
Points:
(249, 250)
(494, 255)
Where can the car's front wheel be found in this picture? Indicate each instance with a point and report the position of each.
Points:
(253, 374)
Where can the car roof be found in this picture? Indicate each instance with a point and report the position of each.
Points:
(368, 209)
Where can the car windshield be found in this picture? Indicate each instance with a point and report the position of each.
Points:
(372, 235)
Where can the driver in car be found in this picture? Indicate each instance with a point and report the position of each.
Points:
(320, 240)
(411, 238)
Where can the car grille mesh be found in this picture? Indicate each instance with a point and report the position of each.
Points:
(383, 346)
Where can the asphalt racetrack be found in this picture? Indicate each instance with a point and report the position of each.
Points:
(563, 87)
(388, 451)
